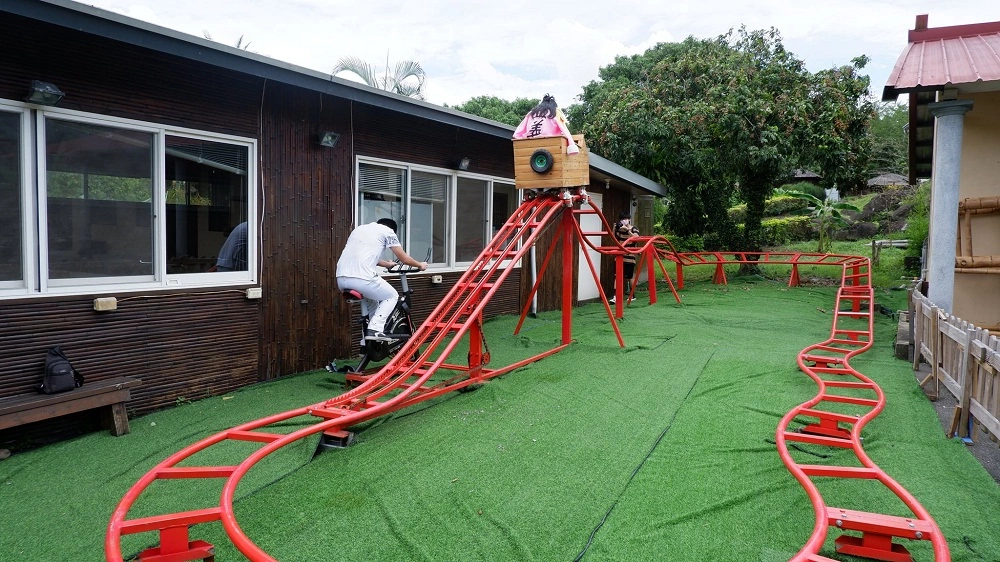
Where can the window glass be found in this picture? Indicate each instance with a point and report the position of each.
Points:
(470, 219)
(381, 190)
(99, 200)
(11, 243)
(449, 218)
(207, 206)
(428, 209)
(505, 201)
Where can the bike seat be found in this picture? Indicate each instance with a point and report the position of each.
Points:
(351, 295)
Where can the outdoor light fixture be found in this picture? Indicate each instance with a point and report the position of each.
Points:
(328, 139)
(44, 93)
(463, 164)
(607, 183)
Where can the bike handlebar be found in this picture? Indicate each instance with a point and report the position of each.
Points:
(400, 267)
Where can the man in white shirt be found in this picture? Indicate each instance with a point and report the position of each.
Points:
(356, 270)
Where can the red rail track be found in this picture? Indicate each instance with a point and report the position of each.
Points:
(827, 363)
(408, 378)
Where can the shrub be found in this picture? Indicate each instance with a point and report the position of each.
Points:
(738, 214)
(918, 221)
(715, 242)
(783, 204)
(779, 231)
(816, 191)
(692, 243)
(773, 207)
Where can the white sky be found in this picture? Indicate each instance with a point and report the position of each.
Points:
(515, 48)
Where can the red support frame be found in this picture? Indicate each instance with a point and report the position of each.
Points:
(408, 378)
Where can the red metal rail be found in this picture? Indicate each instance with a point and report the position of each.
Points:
(817, 422)
(408, 378)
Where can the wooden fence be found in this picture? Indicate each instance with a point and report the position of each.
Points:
(964, 358)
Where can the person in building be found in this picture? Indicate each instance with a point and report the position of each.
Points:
(356, 270)
(233, 254)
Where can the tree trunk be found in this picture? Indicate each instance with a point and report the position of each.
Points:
(752, 231)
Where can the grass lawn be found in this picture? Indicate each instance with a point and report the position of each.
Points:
(662, 450)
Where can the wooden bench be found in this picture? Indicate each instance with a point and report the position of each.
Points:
(110, 395)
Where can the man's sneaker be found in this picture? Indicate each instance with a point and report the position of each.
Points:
(611, 300)
(372, 335)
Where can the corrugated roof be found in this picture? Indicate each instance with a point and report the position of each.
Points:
(889, 179)
(964, 56)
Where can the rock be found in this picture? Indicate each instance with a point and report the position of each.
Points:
(856, 231)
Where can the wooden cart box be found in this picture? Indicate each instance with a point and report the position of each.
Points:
(568, 170)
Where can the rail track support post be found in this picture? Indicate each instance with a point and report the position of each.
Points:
(175, 546)
(793, 280)
(719, 277)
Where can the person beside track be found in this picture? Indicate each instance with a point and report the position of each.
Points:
(623, 230)
(356, 270)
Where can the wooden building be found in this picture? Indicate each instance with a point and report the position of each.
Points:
(129, 152)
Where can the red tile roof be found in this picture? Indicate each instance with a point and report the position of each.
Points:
(955, 55)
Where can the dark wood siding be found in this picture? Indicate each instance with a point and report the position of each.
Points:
(193, 344)
(183, 346)
(308, 215)
(307, 218)
(396, 136)
(102, 76)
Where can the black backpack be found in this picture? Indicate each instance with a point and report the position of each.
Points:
(60, 375)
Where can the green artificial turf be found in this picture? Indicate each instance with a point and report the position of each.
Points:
(662, 450)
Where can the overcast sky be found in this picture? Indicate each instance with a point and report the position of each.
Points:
(513, 49)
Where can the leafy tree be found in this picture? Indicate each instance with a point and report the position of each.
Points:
(827, 214)
(889, 139)
(648, 115)
(838, 141)
(717, 120)
(497, 109)
(406, 78)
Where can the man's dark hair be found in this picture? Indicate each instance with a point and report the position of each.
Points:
(624, 215)
(388, 222)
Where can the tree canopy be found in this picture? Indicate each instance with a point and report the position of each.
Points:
(497, 109)
(889, 139)
(722, 119)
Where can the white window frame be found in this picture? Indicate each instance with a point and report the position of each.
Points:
(450, 228)
(35, 279)
(28, 268)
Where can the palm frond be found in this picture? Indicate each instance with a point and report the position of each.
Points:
(406, 78)
(360, 68)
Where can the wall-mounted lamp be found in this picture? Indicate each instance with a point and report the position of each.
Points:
(607, 183)
(328, 139)
(463, 164)
(44, 93)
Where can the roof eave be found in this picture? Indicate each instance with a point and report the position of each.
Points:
(117, 27)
